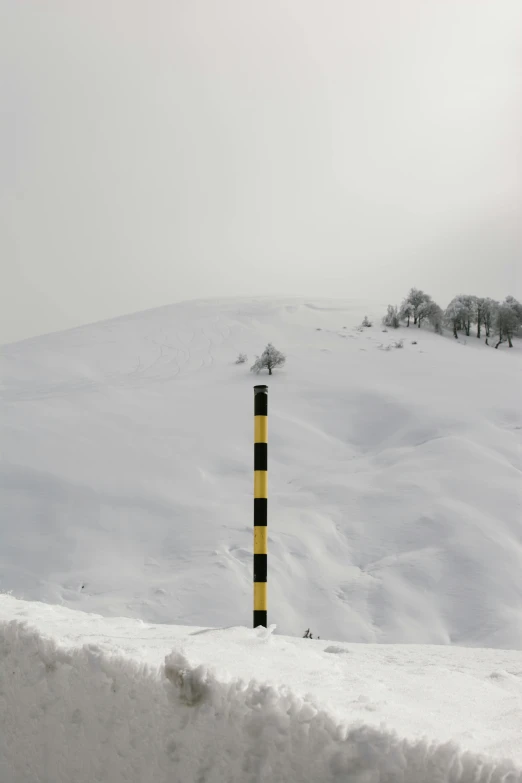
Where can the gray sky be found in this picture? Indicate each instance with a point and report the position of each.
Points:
(175, 149)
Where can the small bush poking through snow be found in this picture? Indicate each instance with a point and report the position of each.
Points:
(366, 322)
(391, 346)
(309, 635)
(242, 358)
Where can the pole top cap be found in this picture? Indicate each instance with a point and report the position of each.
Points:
(262, 389)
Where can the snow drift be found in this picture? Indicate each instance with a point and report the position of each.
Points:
(89, 711)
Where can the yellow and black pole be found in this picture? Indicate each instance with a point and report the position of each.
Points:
(260, 504)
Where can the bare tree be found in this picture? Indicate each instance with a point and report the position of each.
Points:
(489, 308)
(269, 360)
(391, 318)
(423, 310)
(469, 304)
(435, 316)
(516, 306)
(456, 314)
(430, 311)
(480, 302)
(406, 312)
(507, 321)
(416, 298)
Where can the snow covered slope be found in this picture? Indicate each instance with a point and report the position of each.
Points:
(90, 699)
(395, 476)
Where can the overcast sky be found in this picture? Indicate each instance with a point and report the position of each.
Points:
(153, 151)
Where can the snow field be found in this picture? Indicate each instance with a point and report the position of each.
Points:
(394, 476)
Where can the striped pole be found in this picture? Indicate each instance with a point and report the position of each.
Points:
(260, 504)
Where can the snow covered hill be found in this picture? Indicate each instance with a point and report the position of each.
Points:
(395, 475)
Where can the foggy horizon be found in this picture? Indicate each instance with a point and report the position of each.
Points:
(178, 151)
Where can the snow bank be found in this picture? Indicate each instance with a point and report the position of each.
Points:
(82, 713)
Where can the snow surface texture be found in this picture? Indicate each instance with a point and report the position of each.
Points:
(395, 476)
(89, 699)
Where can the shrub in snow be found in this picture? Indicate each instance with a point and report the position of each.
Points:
(367, 323)
(391, 318)
(241, 359)
(391, 346)
(309, 635)
(269, 360)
